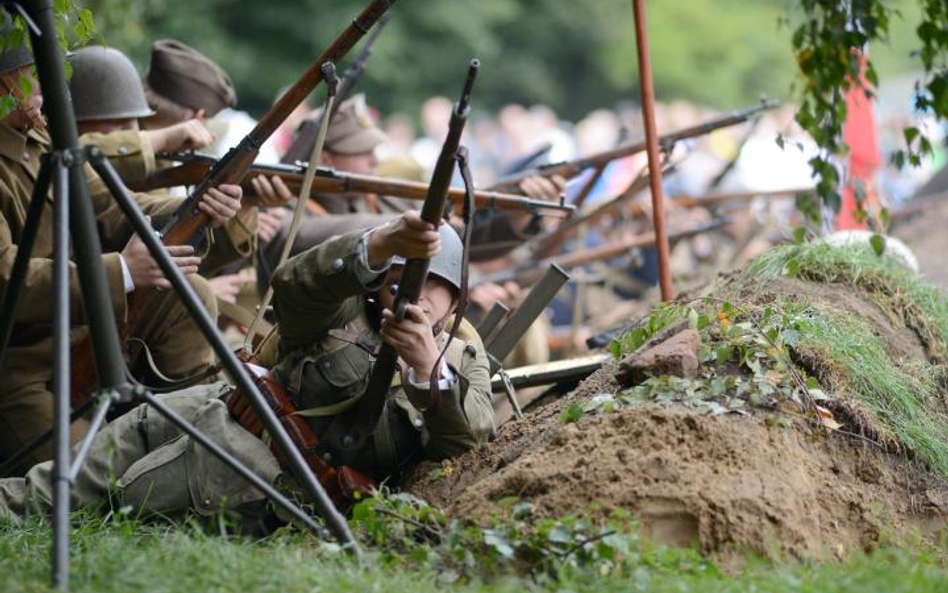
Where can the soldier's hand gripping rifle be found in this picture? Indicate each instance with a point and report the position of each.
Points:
(188, 223)
(365, 415)
(572, 168)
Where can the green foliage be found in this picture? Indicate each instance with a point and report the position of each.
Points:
(649, 327)
(898, 291)
(828, 38)
(903, 400)
(745, 362)
(757, 356)
(110, 557)
(74, 27)
(900, 402)
(573, 56)
(403, 532)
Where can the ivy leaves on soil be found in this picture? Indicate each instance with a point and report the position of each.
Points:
(821, 345)
(403, 530)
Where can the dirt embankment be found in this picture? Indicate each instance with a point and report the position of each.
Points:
(764, 481)
(924, 233)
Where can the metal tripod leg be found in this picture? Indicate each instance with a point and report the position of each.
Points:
(61, 376)
(337, 523)
(21, 263)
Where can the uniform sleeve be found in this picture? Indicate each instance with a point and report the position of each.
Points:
(495, 234)
(317, 290)
(464, 415)
(114, 227)
(36, 299)
(234, 241)
(129, 151)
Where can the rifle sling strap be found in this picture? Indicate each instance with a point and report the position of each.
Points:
(467, 213)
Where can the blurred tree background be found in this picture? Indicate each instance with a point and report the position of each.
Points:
(573, 55)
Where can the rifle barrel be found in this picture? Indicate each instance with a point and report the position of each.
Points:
(193, 168)
(575, 167)
(528, 273)
(187, 222)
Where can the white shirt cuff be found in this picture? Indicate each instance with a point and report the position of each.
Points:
(446, 382)
(126, 276)
(365, 274)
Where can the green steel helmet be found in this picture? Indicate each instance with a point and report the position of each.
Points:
(447, 264)
(15, 57)
(105, 85)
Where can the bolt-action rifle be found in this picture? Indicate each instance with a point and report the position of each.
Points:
(527, 274)
(194, 167)
(309, 129)
(188, 223)
(572, 168)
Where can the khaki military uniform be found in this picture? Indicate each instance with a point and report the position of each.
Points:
(25, 400)
(320, 298)
(133, 158)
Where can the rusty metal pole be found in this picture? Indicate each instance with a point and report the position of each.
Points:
(651, 140)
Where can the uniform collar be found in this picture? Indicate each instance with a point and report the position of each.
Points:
(13, 142)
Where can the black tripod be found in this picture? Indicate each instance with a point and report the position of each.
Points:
(62, 169)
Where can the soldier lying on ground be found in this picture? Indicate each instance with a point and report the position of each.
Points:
(332, 304)
(25, 399)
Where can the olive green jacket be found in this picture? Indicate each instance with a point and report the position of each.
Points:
(321, 301)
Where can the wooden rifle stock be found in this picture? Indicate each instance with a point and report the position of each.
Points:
(575, 167)
(188, 223)
(344, 485)
(193, 168)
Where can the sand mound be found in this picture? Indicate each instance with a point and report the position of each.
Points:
(765, 480)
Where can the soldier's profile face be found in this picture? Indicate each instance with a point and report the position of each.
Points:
(437, 297)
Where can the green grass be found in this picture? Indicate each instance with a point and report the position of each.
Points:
(135, 557)
(901, 293)
(903, 401)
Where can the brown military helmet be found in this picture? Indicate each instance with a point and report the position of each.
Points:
(186, 77)
(105, 85)
(352, 130)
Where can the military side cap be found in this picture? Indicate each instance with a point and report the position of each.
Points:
(353, 131)
(105, 85)
(189, 78)
(16, 57)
